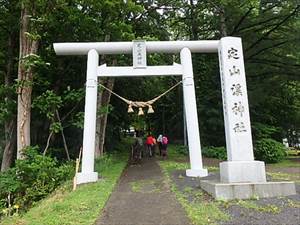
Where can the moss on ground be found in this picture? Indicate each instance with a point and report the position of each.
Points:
(200, 210)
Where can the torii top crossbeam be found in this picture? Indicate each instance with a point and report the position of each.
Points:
(82, 48)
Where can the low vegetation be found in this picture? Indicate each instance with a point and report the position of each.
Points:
(31, 180)
(82, 206)
(265, 149)
(202, 209)
(269, 150)
(215, 152)
(251, 204)
(199, 210)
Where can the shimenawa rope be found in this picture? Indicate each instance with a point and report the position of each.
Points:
(141, 104)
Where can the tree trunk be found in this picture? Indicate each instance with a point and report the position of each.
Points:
(10, 124)
(63, 136)
(194, 25)
(103, 101)
(25, 77)
(223, 29)
(10, 144)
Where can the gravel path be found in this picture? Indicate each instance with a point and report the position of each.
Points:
(142, 198)
(288, 207)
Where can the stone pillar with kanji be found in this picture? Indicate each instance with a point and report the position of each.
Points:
(241, 166)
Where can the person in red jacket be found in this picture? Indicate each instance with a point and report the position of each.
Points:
(150, 145)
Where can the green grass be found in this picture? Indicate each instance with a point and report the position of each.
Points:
(293, 204)
(82, 206)
(200, 211)
(146, 186)
(284, 176)
(203, 211)
(285, 163)
(293, 153)
(251, 204)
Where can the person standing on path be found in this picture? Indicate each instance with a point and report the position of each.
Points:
(137, 148)
(150, 145)
(159, 142)
(164, 147)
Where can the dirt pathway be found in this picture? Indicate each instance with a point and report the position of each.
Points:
(142, 198)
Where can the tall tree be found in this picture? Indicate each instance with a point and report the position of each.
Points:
(9, 29)
(28, 50)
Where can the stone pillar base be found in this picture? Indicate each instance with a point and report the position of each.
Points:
(242, 171)
(196, 173)
(226, 191)
(82, 178)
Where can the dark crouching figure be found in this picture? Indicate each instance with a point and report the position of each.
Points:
(137, 149)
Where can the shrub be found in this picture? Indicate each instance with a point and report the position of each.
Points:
(261, 131)
(215, 152)
(32, 179)
(269, 150)
(182, 150)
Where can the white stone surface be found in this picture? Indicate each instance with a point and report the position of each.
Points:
(235, 100)
(82, 178)
(129, 71)
(242, 171)
(240, 166)
(88, 151)
(111, 48)
(139, 55)
(196, 173)
(191, 115)
(226, 191)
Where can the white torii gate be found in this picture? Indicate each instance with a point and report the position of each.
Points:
(240, 166)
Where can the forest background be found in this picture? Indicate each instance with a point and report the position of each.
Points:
(42, 95)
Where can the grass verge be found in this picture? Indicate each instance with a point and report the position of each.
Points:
(82, 206)
(199, 210)
(279, 176)
(285, 163)
(252, 205)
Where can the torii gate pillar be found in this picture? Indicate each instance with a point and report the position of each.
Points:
(190, 108)
(87, 174)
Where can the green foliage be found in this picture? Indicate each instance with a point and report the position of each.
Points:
(9, 182)
(7, 106)
(215, 152)
(269, 31)
(72, 95)
(47, 103)
(105, 109)
(181, 149)
(263, 130)
(77, 207)
(33, 61)
(32, 179)
(56, 127)
(269, 150)
(78, 120)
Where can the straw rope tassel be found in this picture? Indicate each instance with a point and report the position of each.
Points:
(150, 109)
(141, 112)
(130, 109)
(140, 104)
